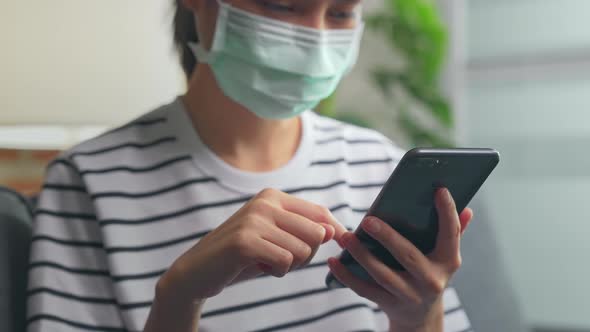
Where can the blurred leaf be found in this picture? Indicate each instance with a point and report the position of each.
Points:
(414, 31)
(419, 136)
(327, 107)
(427, 95)
(431, 98)
(354, 118)
(386, 80)
(420, 36)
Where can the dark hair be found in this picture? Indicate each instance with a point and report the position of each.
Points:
(185, 32)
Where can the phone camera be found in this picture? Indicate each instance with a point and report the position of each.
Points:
(434, 163)
(430, 162)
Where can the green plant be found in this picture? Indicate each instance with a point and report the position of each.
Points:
(416, 33)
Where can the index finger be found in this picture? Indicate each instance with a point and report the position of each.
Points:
(449, 227)
(311, 211)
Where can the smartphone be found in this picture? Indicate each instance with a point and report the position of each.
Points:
(406, 201)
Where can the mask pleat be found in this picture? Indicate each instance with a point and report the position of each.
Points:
(280, 25)
(277, 69)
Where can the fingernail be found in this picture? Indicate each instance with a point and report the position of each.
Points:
(345, 240)
(329, 232)
(331, 261)
(371, 225)
(446, 195)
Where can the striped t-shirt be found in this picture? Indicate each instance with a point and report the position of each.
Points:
(117, 210)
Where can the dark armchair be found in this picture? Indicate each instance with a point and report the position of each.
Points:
(15, 236)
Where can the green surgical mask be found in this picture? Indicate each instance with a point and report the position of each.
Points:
(275, 69)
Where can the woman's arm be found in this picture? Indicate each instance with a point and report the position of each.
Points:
(69, 282)
(170, 312)
(273, 233)
(433, 323)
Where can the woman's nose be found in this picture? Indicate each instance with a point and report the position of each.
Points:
(313, 20)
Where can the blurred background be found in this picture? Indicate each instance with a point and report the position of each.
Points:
(509, 74)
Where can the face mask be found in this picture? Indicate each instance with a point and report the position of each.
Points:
(275, 69)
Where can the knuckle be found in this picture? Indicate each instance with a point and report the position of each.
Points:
(319, 234)
(411, 258)
(286, 258)
(267, 193)
(261, 206)
(306, 252)
(457, 231)
(170, 277)
(456, 263)
(246, 225)
(415, 300)
(181, 267)
(381, 279)
(435, 285)
(241, 243)
(325, 213)
(298, 261)
(284, 263)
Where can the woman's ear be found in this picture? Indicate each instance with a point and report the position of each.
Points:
(193, 5)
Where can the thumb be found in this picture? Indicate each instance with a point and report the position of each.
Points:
(339, 229)
(465, 219)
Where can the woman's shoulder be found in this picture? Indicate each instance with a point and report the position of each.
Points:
(136, 132)
(137, 146)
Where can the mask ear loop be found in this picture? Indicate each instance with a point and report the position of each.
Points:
(198, 49)
(358, 14)
(360, 28)
(360, 23)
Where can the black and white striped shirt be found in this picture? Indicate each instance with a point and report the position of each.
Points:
(117, 210)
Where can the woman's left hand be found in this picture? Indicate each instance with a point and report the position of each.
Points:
(412, 299)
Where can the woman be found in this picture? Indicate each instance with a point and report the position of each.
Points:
(167, 223)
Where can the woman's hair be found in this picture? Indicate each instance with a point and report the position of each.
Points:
(185, 32)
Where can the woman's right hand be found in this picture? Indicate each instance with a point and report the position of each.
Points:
(273, 233)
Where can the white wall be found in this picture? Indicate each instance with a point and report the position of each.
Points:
(100, 63)
(85, 62)
(526, 93)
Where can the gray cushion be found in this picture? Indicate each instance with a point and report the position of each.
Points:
(15, 236)
(482, 282)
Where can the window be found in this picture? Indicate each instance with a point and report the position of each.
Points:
(520, 73)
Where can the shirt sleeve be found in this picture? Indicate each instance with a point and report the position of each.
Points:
(69, 288)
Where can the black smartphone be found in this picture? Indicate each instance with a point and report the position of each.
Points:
(406, 201)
